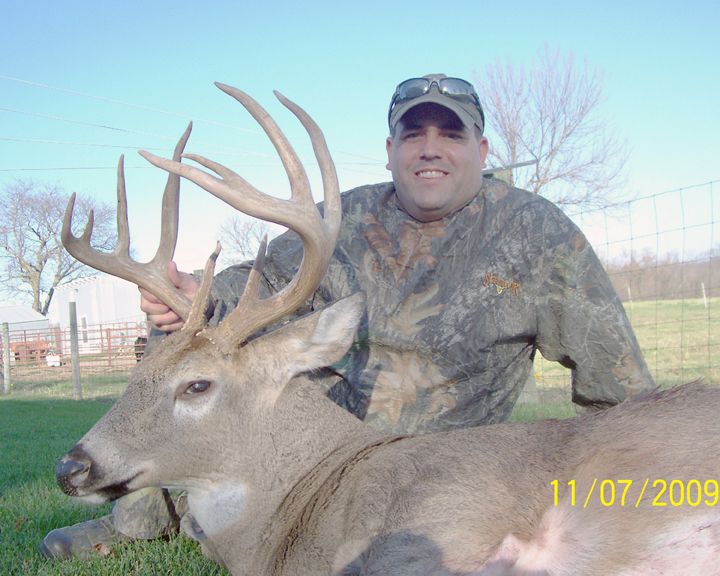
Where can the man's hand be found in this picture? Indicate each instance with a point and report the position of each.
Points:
(163, 317)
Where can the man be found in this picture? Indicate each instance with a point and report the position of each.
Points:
(465, 279)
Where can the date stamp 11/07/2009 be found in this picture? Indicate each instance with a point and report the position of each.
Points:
(623, 493)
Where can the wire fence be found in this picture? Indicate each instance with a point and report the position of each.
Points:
(40, 360)
(662, 253)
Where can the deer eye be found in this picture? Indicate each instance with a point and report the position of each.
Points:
(198, 387)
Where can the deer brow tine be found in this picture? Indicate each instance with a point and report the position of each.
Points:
(196, 320)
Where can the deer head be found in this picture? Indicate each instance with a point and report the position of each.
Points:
(204, 388)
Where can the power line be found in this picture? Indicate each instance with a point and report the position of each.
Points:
(130, 167)
(186, 117)
(236, 150)
(70, 143)
(70, 168)
(371, 161)
(227, 151)
(82, 123)
(232, 152)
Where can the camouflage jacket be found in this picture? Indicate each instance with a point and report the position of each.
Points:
(457, 308)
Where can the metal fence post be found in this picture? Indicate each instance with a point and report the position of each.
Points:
(108, 333)
(6, 357)
(75, 353)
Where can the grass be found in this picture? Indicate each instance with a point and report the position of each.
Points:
(104, 387)
(544, 409)
(35, 433)
(680, 339)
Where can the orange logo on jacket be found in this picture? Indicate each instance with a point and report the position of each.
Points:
(500, 284)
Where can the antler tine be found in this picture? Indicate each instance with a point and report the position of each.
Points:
(318, 234)
(250, 200)
(152, 275)
(299, 183)
(123, 245)
(196, 320)
(170, 205)
(331, 205)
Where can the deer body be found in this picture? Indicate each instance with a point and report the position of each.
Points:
(282, 482)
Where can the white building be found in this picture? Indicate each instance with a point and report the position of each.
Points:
(101, 299)
(23, 318)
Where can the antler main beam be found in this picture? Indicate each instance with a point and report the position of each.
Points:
(150, 275)
(299, 213)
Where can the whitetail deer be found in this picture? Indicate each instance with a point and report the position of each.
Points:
(284, 482)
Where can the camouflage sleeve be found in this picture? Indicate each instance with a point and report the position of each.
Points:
(582, 324)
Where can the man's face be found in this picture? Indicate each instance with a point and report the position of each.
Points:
(436, 162)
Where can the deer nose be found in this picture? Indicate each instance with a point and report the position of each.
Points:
(71, 471)
(71, 468)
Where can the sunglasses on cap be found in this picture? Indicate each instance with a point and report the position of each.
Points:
(455, 88)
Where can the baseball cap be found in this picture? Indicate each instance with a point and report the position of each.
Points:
(456, 94)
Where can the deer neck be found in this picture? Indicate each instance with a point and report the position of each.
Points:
(313, 427)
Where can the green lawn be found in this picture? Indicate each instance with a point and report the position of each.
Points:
(103, 387)
(35, 434)
(680, 339)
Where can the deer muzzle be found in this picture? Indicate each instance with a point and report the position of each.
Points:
(79, 475)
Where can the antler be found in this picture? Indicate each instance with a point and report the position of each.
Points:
(299, 213)
(150, 275)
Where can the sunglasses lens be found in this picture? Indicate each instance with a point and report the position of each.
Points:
(410, 89)
(458, 89)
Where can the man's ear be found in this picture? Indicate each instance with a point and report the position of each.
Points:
(484, 148)
(388, 148)
(322, 338)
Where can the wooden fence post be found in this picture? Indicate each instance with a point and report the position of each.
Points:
(75, 353)
(6, 357)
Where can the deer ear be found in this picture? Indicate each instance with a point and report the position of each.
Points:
(325, 336)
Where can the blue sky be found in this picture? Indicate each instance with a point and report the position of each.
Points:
(82, 82)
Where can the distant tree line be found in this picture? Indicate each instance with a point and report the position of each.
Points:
(649, 277)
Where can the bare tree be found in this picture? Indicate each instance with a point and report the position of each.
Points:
(549, 113)
(34, 261)
(240, 237)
